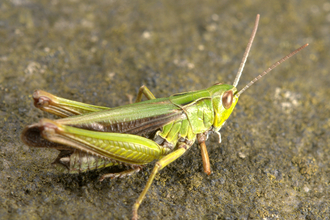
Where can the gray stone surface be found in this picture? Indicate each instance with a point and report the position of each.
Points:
(273, 162)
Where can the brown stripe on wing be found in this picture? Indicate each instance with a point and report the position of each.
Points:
(139, 126)
(151, 124)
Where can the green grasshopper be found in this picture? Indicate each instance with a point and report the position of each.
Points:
(93, 137)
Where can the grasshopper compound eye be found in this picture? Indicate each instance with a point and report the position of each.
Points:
(227, 99)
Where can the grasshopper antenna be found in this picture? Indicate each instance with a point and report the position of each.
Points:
(270, 69)
(247, 50)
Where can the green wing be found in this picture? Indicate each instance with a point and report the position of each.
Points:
(138, 118)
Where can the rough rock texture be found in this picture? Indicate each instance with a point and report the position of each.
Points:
(273, 162)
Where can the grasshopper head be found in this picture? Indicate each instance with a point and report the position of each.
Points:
(224, 99)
